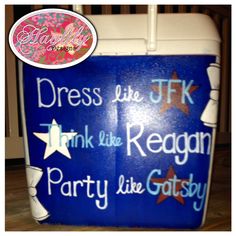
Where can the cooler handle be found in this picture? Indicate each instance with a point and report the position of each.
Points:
(152, 28)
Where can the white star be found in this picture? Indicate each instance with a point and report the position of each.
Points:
(55, 140)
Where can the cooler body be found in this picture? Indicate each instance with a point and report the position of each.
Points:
(125, 138)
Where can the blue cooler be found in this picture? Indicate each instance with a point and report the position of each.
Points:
(126, 138)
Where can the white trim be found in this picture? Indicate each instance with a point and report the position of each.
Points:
(211, 163)
(22, 108)
(209, 176)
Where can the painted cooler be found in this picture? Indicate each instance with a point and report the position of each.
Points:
(126, 137)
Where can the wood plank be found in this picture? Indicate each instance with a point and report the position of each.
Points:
(11, 78)
(36, 7)
(229, 121)
(182, 8)
(18, 216)
(168, 8)
(223, 137)
(195, 9)
(224, 86)
(124, 9)
(7, 126)
(223, 10)
(14, 147)
(106, 9)
(67, 7)
(206, 11)
(141, 9)
(218, 22)
(87, 9)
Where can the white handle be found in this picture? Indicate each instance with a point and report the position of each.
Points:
(152, 27)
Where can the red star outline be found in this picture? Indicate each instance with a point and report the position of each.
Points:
(170, 174)
(175, 97)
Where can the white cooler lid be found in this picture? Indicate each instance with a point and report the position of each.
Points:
(177, 34)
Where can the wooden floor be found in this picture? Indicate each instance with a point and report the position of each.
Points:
(18, 216)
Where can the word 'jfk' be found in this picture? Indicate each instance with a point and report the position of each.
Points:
(169, 88)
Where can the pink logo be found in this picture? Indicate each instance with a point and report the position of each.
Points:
(53, 38)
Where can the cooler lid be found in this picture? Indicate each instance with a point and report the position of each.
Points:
(187, 33)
